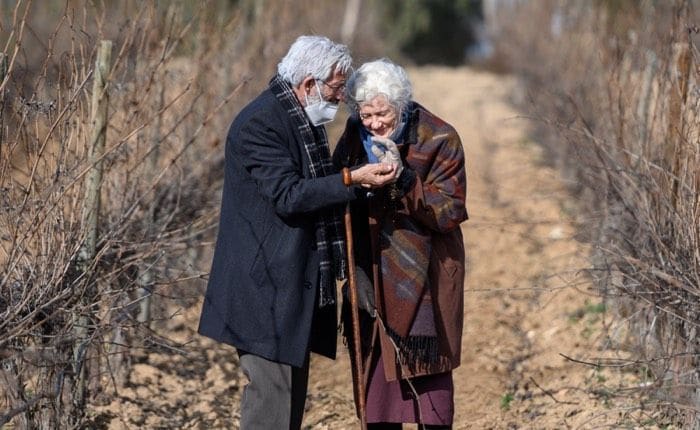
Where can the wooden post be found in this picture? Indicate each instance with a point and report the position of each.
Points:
(98, 120)
(350, 18)
(3, 74)
(680, 73)
(677, 126)
(145, 279)
(643, 125)
(90, 216)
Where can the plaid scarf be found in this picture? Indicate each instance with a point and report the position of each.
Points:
(329, 233)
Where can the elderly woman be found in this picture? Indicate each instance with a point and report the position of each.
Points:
(409, 250)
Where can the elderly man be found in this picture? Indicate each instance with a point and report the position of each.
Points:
(280, 246)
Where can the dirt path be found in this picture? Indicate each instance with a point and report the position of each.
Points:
(527, 301)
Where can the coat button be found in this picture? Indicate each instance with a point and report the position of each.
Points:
(307, 285)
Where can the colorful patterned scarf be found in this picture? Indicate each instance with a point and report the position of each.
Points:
(329, 233)
(405, 249)
(408, 315)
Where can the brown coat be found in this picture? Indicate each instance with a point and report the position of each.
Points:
(431, 205)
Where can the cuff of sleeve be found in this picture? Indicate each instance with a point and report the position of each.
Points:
(347, 178)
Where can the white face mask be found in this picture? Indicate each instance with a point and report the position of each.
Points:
(320, 111)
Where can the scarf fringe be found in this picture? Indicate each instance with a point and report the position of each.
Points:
(416, 351)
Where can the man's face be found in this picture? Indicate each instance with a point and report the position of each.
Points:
(333, 89)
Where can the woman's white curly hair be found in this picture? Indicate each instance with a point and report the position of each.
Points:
(379, 78)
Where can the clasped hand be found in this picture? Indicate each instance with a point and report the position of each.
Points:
(374, 175)
(388, 169)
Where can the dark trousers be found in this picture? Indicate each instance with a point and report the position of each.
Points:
(275, 395)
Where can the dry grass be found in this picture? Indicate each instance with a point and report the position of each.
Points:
(616, 95)
(70, 326)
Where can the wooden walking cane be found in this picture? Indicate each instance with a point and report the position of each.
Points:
(358, 380)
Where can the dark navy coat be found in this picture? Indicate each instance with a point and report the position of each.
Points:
(263, 286)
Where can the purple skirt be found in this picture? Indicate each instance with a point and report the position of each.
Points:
(395, 401)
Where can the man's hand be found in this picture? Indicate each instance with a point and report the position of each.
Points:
(386, 151)
(374, 175)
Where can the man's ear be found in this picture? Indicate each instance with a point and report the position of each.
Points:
(304, 88)
(307, 84)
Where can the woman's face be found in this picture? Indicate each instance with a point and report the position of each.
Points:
(378, 116)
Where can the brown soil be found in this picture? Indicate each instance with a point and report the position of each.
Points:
(528, 303)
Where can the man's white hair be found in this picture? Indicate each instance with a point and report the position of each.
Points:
(315, 56)
(379, 78)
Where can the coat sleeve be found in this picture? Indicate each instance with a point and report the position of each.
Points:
(437, 196)
(275, 162)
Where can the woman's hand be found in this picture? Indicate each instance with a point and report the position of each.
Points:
(386, 152)
(374, 175)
